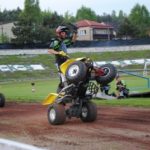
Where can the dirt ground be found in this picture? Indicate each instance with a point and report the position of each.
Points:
(116, 128)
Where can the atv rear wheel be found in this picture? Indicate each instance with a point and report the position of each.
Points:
(89, 112)
(56, 114)
(76, 72)
(2, 100)
(110, 73)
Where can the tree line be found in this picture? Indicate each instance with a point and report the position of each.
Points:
(35, 26)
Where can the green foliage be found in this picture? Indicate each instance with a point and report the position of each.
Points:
(47, 15)
(56, 20)
(52, 19)
(127, 29)
(9, 15)
(34, 26)
(28, 28)
(85, 13)
(68, 18)
(140, 18)
(4, 38)
(31, 13)
(121, 16)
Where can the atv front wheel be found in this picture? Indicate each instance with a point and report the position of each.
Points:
(109, 73)
(56, 114)
(2, 100)
(76, 72)
(89, 112)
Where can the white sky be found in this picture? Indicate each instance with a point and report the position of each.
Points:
(61, 6)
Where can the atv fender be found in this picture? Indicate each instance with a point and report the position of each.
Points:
(50, 99)
(65, 65)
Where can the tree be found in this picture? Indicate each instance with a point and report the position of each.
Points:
(9, 15)
(27, 28)
(121, 16)
(56, 20)
(141, 19)
(4, 38)
(32, 12)
(47, 15)
(127, 29)
(85, 13)
(68, 17)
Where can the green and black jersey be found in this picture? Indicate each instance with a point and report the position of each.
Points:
(60, 45)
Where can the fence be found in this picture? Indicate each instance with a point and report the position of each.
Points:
(83, 44)
(136, 79)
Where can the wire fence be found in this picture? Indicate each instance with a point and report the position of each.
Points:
(135, 79)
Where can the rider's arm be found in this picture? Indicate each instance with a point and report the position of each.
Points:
(52, 51)
(74, 37)
(71, 40)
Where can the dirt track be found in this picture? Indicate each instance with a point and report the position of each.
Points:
(116, 128)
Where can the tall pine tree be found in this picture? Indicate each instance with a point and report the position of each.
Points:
(27, 28)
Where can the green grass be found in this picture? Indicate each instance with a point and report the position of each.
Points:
(48, 62)
(109, 56)
(135, 84)
(99, 56)
(131, 102)
(22, 92)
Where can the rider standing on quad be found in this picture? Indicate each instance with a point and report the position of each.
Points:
(59, 45)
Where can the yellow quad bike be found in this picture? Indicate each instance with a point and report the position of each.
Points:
(2, 100)
(74, 99)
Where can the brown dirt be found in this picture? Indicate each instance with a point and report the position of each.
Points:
(116, 128)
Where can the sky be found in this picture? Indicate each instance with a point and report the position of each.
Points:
(62, 6)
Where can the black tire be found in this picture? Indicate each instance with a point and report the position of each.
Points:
(56, 114)
(2, 100)
(110, 73)
(89, 112)
(76, 72)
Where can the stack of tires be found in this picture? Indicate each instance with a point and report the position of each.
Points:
(2, 100)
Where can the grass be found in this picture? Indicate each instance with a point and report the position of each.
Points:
(131, 102)
(22, 92)
(48, 62)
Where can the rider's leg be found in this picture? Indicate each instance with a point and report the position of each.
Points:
(63, 81)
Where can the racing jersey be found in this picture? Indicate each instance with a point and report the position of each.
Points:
(120, 84)
(60, 45)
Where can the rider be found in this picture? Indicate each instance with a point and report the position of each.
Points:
(121, 88)
(105, 89)
(59, 45)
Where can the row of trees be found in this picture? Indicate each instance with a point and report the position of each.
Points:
(35, 26)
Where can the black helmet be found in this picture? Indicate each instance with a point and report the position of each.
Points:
(62, 29)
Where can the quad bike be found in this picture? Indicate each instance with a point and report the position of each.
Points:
(2, 100)
(74, 99)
